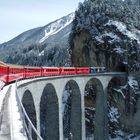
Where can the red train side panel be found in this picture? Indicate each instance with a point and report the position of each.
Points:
(67, 70)
(32, 72)
(47, 71)
(3, 70)
(82, 70)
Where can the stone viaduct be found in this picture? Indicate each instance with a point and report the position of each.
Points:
(43, 97)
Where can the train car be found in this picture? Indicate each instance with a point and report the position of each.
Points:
(97, 69)
(103, 69)
(82, 70)
(15, 69)
(94, 70)
(32, 72)
(67, 70)
(48, 71)
(3, 68)
(14, 72)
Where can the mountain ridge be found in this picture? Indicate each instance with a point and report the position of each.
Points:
(38, 39)
(37, 28)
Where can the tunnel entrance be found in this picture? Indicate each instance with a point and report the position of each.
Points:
(71, 102)
(49, 115)
(28, 103)
(121, 68)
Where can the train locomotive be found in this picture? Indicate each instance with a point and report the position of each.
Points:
(10, 73)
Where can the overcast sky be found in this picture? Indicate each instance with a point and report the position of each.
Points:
(17, 16)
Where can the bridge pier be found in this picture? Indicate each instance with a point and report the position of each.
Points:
(102, 109)
(83, 112)
(101, 132)
(101, 129)
(60, 91)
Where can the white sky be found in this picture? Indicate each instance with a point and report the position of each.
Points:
(17, 16)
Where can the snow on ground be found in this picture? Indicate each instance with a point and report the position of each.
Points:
(113, 37)
(2, 95)
(16, 126)
(119, 50)
(132, 82)
(66, 95)
(122, 28)
(1, 84)
(15, 119)
(114, 114)
(41, 53)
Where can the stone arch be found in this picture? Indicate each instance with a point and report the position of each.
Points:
(94, 109)
(28, 103)
(71, 102)
(49, 114)
(117, 102)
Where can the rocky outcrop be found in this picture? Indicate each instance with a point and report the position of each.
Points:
(98, 38)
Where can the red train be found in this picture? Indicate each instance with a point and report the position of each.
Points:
(9, 73)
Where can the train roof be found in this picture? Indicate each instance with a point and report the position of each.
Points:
(3, 64)
(50, 67)
(20, 66)
(14, 66)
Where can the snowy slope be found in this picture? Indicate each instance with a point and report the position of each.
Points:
(56, 27)
(2, 95)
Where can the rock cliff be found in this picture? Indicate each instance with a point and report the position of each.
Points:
(107, 33)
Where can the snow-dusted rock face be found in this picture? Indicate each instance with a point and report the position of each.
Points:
(102, 38)
(46, 46)
(107, 33)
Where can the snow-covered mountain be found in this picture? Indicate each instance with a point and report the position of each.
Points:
(39, 43)
(56, 27)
